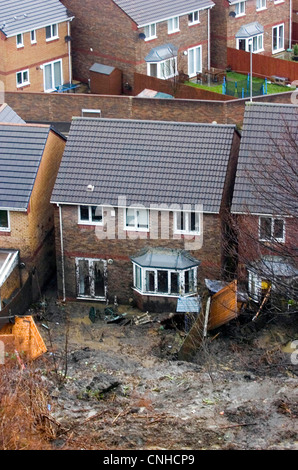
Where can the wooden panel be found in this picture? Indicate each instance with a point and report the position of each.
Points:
(27, 337)
(223, 306)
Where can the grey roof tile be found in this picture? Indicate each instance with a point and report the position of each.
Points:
(268, 131)
(20, 16)
(148, 162)
(7, 114)
(152, 11)
(21, 150)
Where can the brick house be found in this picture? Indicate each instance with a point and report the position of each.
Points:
(156, 37)
(265, 199)
(140, 209)
(234, 23)
(35, 49)
(29, 160)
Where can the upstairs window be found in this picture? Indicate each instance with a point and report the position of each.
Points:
(51, 32)
(4, 221)
(20, 40)
(240, 9)
(187, 222)
(137, 219)
(271, 229)
(194, 17)
(90, 215)
(33, 36)
(261, 4)
(173, 25)
(150, 31)
(278, 38)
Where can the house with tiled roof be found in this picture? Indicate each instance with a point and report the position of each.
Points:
(140, 209)
(157, 37)
(30, 156)
(234, 23)
(35, 45)
(265, 201)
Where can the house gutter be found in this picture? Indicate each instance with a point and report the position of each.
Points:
(62, 252)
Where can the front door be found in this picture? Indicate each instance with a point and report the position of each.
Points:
(91, 277)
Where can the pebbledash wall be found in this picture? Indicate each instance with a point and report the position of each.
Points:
(62, 107)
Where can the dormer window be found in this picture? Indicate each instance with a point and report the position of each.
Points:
(194, 17)
(173, 25)
(150, 31)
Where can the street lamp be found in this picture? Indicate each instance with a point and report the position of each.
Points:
(250, 42)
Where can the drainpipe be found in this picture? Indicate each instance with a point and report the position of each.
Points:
(208, 33)
(62, 252)
(69, 53)
(290, 26)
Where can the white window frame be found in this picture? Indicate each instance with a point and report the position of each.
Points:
(6, 229)
(255, 51)
(261, 5)
(173, 25)
(257, 37)
(33, 39)
(135, 227)
(278, 1)
(191, 17)
(91, 262)
(20, 44)
(238, 6)
(90, 221)
(53, 35)
(187, 223)
(275, 51)
(272, 238)
(150, 29)
(192, 73)
(44, 77)
(141, 286)
(24, 83)
(173, 68)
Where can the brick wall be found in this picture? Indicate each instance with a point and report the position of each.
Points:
(32, 232)
(44, 107)
(86, 242)
(31, 57)
(113, 39)
(225, 27)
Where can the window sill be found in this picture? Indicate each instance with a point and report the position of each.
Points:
(24, 85)
(158, 294)
(133, 229)
(278, 51)
(240, 16)
(53, 39)
(261, 9)
(89, 298)
(194, 24)
(174, 32)
(150, 39)
(90, 224)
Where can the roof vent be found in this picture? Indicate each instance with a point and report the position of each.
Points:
(90, 188)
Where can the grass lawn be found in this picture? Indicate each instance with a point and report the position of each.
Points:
(271, 88)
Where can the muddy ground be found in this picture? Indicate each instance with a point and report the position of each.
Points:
(120, 385)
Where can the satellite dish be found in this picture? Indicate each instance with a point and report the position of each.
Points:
(232, 13)
(142, 36)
